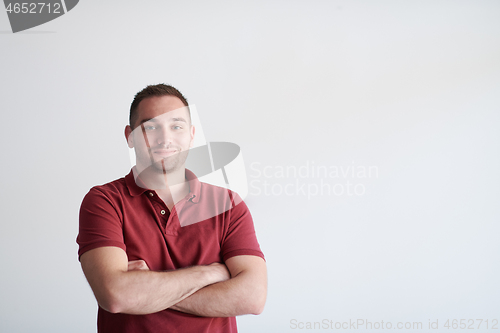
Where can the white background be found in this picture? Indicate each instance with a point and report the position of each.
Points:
(411, 87)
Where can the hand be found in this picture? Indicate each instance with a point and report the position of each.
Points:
(137, 265)
(220, 271)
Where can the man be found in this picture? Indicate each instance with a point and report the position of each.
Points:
(149, 269)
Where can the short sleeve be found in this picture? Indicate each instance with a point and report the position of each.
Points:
(240, 238)
(100, 222)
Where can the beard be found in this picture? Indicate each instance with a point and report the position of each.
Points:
(156, 175)
(171, 163)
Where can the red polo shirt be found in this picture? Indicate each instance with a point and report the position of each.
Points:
(211, 224)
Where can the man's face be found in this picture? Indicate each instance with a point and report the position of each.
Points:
(162, 134)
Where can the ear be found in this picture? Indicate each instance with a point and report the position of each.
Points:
(128, 137)
(192, 136)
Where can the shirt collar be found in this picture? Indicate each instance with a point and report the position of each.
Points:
(194, 186)
(132, 186)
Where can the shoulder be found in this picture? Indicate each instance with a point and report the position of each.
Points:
(107, 202)
(110, 192)
(115, 186)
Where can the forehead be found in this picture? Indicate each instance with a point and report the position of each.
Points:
(161, 108)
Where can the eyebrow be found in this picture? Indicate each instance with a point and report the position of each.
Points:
(146, 120)
(179, 119)
(154, 120)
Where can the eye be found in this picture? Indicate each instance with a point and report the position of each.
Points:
(149, 127)
(177, 127)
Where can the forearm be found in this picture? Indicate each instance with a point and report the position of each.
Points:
(222, 299)
(144, 292)
(245, 293)
(119, 288)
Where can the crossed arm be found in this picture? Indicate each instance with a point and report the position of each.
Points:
(216, 290)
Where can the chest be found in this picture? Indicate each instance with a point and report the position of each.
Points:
(167, 239)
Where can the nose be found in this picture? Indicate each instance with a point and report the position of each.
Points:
(163, 137)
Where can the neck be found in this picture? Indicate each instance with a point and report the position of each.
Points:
(170, 187)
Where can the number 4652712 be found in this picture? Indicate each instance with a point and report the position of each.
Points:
(33, 8)
(471, 324)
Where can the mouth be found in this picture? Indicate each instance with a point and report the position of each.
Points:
(164, 152)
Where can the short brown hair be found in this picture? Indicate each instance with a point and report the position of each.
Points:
(150, 91)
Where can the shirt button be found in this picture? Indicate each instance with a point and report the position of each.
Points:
(151, 194)
(162, 212)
